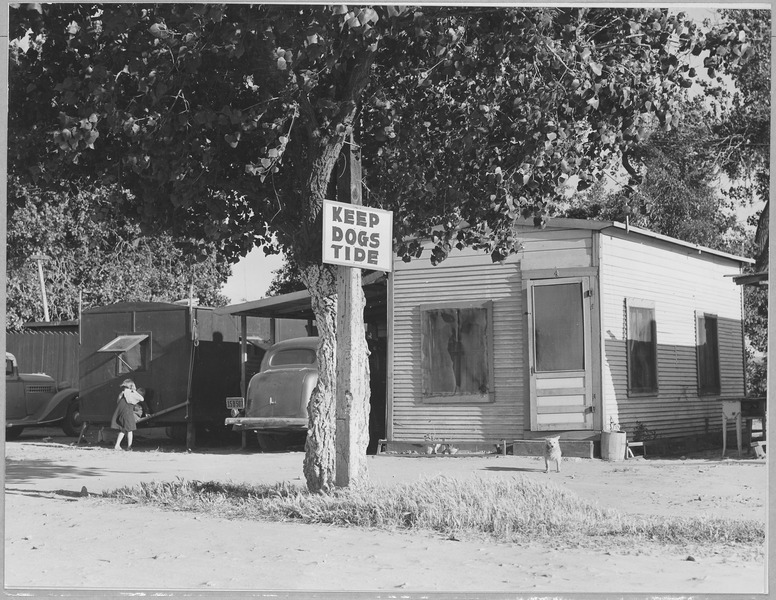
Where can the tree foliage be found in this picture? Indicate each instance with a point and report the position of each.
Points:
(286, 280)
(678, 193)
(214, 115)
(225, 122)
(739, 143)
(97, 260)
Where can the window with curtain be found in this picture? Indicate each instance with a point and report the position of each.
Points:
(708, 353)
(455, 355)
(642, 347)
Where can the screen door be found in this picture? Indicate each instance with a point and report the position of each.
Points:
(559, 354)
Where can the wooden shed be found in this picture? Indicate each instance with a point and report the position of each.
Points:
(591, 324)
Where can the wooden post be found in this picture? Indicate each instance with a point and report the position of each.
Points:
(350, 459)
(348, 278)
(191, 435)
(244, 372)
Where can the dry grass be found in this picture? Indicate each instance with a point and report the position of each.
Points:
(518, 509)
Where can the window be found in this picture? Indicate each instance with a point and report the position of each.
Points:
(131, 350)
(293, 356)
(708, 353)
(559, 338)
(642, 347)
(455, 354)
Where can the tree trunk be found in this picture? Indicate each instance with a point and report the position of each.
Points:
(320, 461)
(319, 458)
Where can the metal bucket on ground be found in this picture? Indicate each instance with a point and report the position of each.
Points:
(613, 445)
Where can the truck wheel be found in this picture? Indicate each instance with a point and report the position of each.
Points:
(12, 433)
(73, 422)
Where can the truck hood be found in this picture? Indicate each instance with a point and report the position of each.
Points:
(36, 378)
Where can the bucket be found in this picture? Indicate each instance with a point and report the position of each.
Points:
(613, 445)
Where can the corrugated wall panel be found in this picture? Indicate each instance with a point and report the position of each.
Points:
(54, 353)
(680, 283)
(458, 281)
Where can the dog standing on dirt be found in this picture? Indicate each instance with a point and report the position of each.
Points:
(552, 452)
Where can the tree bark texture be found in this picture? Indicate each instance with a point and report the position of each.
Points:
(319, 459)
(352, 433)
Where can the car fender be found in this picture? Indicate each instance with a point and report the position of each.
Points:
(57, 406)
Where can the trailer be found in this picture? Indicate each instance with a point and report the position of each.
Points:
(187, 358)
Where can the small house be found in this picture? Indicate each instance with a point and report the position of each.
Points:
(590, 326)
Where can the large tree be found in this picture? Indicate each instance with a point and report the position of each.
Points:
(741, 133)
(693, 179)
(95, 257)
(678, 192)
(226, 122)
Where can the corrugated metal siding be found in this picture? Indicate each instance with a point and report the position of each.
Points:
(679, 283)
(458, 280)
(53, 353)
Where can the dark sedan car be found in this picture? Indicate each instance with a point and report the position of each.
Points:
(276, 403)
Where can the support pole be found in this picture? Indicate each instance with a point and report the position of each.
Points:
(244, 371)
(347, 459)
(39, 258)
(352, 408)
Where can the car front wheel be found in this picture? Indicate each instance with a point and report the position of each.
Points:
(73, 422)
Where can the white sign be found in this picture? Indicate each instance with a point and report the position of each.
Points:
(357, 236)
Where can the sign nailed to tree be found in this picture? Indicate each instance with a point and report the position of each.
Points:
(357, 236)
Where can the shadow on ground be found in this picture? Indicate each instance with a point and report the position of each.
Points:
(514, 469)
(17, 472)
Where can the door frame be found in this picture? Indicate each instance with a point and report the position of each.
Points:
(591, 314)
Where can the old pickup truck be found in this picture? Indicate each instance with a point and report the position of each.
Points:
(32, 400)
(277, 397)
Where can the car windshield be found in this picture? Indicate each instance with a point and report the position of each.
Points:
(293, 356)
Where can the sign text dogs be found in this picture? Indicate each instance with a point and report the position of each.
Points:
(357, 236)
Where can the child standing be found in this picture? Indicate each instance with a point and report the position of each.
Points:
(124, 418)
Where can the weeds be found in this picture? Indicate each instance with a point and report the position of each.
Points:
(505, 510)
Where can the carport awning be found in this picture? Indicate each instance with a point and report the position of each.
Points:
(297, 305)
(123, 343)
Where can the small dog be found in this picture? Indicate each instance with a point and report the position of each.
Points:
(552, 452)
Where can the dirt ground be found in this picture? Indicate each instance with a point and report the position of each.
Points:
(57, 536)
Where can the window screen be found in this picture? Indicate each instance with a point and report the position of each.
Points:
(642, 348)
(708, 354)
(455, 351)
(559, 327)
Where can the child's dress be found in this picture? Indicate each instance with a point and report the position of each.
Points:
(124, 417)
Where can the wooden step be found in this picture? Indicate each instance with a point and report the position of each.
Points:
(575, 448)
